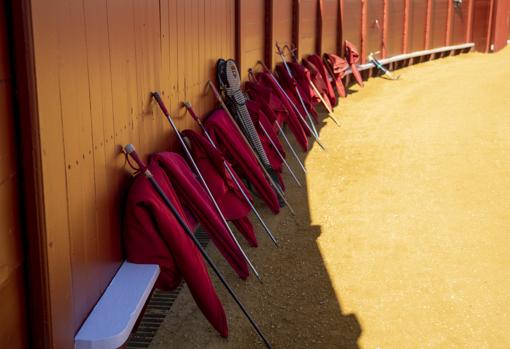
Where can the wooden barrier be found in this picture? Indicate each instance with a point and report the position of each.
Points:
(95, 63)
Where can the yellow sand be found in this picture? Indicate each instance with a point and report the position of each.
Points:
(402, 234)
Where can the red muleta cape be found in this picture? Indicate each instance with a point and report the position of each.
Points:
(228, 140)
(299, 79)
(317, 62)
(210, 162)
(337, 66)
(267, 90)
(152, 235)
(195, 198)
(352, 58)
(257, 115)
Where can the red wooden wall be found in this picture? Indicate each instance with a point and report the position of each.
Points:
(96, 62)
(501, 25)
(394, 27)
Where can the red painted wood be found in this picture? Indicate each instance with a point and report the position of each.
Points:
(439, 23)
(500, 24)
(351, 22)
(449, 22)
(405, 34)
(374, 26)
(428, 23)
(417, 26)
(395, 27)
(481, 23)
(460, 23)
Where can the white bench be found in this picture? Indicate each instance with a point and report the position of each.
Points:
(111, 321)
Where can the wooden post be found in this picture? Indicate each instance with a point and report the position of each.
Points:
(363, 40)
(405, 32)
(319, 27)
(269, 33)
(469, 26)
(296, 4)
(449, 21)
(238, 35)
(385, 28)
(428, 23)
(339, 38)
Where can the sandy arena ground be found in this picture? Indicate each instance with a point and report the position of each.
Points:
(402, 231)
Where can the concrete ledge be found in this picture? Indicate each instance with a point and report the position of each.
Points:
(405, 56)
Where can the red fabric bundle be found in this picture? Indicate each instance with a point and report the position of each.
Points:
(210, 162)
(299, 79)
(337, 66)
(264, 95)
(267, 90)
(317, 62)
(195, 198)
(352, 57)
(257, 115)
(225, 135)
(152, 235)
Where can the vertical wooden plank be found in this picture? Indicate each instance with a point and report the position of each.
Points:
(428, 23)
(469, 25)
(449, 20)
(76, 121)
(459, 23)
(384, 49)
(239, 35)
(45, 32)
(352, 22)
(500, 25)
(283, 27)
(340, 40)
(405, 33)
(395, 22)
(319, 27)
(364, 34)
(296, 26)
(101, 109)
(374, 26)
(269, 33)
(329, 32)
(438, 23)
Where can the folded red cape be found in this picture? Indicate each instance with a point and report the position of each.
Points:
(323, 80)
(300, 80)
(195, 198)
(337, 66)
(230, 142)
(257, 115)
(352, 57)
(231, 201)
(279, 103)
(152, 235)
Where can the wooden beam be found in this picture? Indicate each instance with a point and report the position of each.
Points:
(449, 21)
(428, 23)
(238, 34)
(319, 31)
(385, 28)
(469, 26)
(405, 33)
(269, 33)
(340, 35)
(363, 39)
(31, 177)
(296, 5)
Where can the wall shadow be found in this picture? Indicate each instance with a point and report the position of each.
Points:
(296, 305)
